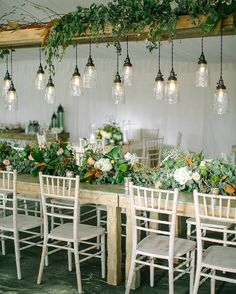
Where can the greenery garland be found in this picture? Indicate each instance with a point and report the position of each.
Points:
(126, 16)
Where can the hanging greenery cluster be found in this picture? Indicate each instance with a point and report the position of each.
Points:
(124, 16)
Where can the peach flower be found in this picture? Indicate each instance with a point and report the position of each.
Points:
(90, 161)
(6, 162)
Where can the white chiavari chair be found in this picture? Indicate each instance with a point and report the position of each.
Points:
(149, 134)
(216, 258)
(15, 221)
(152, 149)
(160, 243)
(62, 193)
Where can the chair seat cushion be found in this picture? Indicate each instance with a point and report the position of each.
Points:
(220, 258)
(24, 222)
(85, 232)
(210, 223)
(158, 245)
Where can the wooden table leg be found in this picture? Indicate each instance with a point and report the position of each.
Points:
(129, 243)
(113, 245)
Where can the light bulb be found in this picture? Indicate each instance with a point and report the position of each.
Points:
(172, 91)
(90, 75)
(40, 78)
(50, 93)
(6, 83)
(221, 99)
(76, 83)
(202, 75)
(128, 72)
(118, 92)
(11, 98)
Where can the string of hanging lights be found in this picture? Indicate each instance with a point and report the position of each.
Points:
(172, 87)
(159, 84)
(7, 79)
(76, 85)
(127, 67)
(11, 97)
(40, 76)
(50, 92)
(90, 73)
(202, 73)
(221, 99)
(118, 92)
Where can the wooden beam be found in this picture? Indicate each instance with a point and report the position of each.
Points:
(31, 37)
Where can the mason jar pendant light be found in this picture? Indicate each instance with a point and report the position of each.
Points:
(11, 97)
(159, 84)
(76, 81)
(172, 88)
(127, 68)
(50, 93)
(7, 79)
(40, 77)
(90, 73)
(221, 99)
(202, 74)
(118, 92)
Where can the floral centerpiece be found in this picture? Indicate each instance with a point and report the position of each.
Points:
(107, 166)
(111, 133)
(53, 159)
(190, 171)
(6, 155)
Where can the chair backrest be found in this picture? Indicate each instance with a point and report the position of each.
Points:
(152, 149)
(155, 203)
(149, 134)
(214, 208)
(179, 139)
(8, 198)
(41, 139)
(60, 193)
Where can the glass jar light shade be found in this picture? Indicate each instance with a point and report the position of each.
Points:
(172, 89)
(6, 83)
(202, 75)
(50, 93)
(118, 92)
(40, 79)
(221, 99)
(11, 98)
(90, 75)
(128, 72)
(76, 86)
(159, 87)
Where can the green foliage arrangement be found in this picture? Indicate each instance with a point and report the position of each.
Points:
(111, 133)
(126, 16)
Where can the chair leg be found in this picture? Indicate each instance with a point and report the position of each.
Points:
(213, 283)
(3, 244)
(192, 265)
(131, 273)
(103, 256)
(69, 257)
(151, 272)
(197, 278)
(77, 267)
(98, 211)
(43, 256)
(52, 218)
(17, 254)
(171, 279)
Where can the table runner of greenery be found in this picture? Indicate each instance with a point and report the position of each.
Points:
(183, 170)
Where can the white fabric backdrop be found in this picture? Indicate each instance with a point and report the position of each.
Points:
(194, 117)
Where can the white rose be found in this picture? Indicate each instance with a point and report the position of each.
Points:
(127, 156)
(202, 163)
(196, 176)
(182, 175)
(103, 164)
(60, 151)
(132, 158)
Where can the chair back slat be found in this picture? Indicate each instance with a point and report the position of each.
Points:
(147, 205)
(219, 208)
(60, 194)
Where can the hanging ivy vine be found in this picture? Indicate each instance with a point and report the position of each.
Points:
(125, 16)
